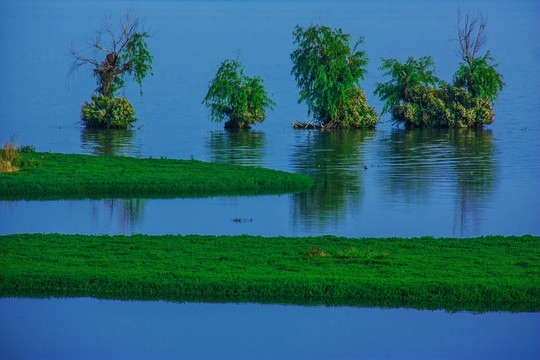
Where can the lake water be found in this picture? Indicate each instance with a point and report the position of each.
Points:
(425, 182)
(139, 330)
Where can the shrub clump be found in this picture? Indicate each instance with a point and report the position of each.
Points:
(447, 106)
(105, 112)
(355, 113)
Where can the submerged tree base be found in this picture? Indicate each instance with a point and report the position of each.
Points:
(489, 273)
(354, 113)
(108, 113)
(237, 124)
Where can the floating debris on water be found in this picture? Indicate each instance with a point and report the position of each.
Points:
(242, 220)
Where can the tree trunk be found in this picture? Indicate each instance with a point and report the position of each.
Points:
(106, 86)
(108, 73)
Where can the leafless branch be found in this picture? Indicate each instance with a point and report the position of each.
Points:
(129, 26)
(471, 35)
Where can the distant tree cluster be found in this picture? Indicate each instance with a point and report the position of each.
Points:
(327, 67)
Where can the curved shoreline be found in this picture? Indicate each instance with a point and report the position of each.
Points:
(75, 176)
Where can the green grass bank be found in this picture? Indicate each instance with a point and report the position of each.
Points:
(488, 273)
(76, 176)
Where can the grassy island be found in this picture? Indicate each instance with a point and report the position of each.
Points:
(488, 273)
(60, 176)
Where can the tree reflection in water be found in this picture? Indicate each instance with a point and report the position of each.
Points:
(109, 142)
(476, 173)
(428, 165)
(126, 214)
(334, 160)
(237, 146)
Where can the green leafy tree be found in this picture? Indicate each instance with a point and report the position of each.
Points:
(241, 99)
(116, 54)
(328, 72)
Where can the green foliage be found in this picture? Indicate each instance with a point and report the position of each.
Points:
(447, 106)
(102, 111)
(411, 76)
(415, 97)
(62, 176)
(236, 96)
(356, 253)
(354, 112)
(490, 273)
(138, 57)
(328, 73)
(27, 149)
(480, 78)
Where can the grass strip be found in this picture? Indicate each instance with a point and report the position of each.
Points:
(488, 273)
(69, 176)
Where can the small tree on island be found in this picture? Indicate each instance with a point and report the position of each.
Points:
(416, 97)
(124, 52)
(328, 73)
(241, 99)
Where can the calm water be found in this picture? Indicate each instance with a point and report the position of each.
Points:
(253, 331)
(432, 182)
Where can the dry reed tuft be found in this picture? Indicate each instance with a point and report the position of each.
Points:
(9, 153)
(315, 251)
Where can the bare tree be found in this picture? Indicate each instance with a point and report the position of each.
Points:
(117, 52)
(471, 35)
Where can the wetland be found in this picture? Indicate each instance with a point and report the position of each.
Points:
(383, 182)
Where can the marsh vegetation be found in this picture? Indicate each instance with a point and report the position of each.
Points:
(478, 274)
(62, 176)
